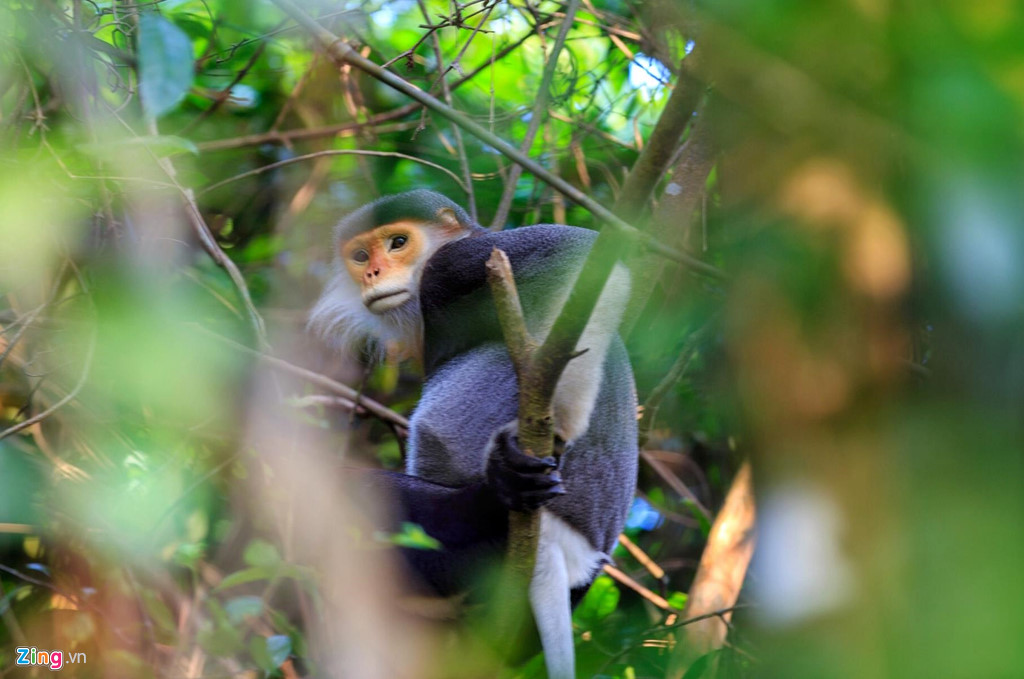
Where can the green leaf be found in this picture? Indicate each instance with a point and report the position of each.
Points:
(15, 594)
(240, 608)
(121, 663)
(223, 639)
(302, 574)
(189, 554)
(247, 575)
(280, 622)
(601, 601)
(259, 652)
(260, 553)
(280, 647)
(158, 611)
(701, 665)
(165, 64)
(678, 600)
(412, 536)
(262, 248)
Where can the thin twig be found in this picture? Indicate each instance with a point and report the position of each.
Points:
(20, 528)
(289, 136)
(323, 400)
(225, 93)
(577, 123)
(209, 244)
(377, 409)
(24, 323)
(674, 374)
(331, 152)
(87, 365)
(675, 483)
(476, 29)
(641, 556)
(207, 240)
(540, 107)
(456, 130)
(718, 613)
(916, 368)
(21, 576)
(656, 599)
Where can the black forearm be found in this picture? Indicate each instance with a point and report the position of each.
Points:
(469, 522)
(455, 516)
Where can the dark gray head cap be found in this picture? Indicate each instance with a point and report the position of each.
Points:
(420, 205)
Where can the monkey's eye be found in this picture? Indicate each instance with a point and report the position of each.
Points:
(398, 242)
(361, 256)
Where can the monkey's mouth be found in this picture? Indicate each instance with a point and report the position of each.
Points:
(387, 300)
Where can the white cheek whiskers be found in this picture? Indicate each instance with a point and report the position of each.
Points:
(342, 321)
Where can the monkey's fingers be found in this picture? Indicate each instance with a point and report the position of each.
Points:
(516, 458)
(527, 482)
(535, 499)
(525, 464)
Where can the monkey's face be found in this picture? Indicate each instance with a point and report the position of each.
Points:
(386, 263)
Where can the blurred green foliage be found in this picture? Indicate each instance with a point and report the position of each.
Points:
(866, 354)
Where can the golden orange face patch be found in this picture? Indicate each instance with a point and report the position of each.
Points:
(384, 252)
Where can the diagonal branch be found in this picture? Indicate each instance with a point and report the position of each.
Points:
(657, 152)
(377, 409)
(209, 244)
(673, 219)
(341, 53)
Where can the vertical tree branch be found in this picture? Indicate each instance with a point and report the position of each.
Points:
(536, 430)
(534, 410)
(521, 345)
(538, 369)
